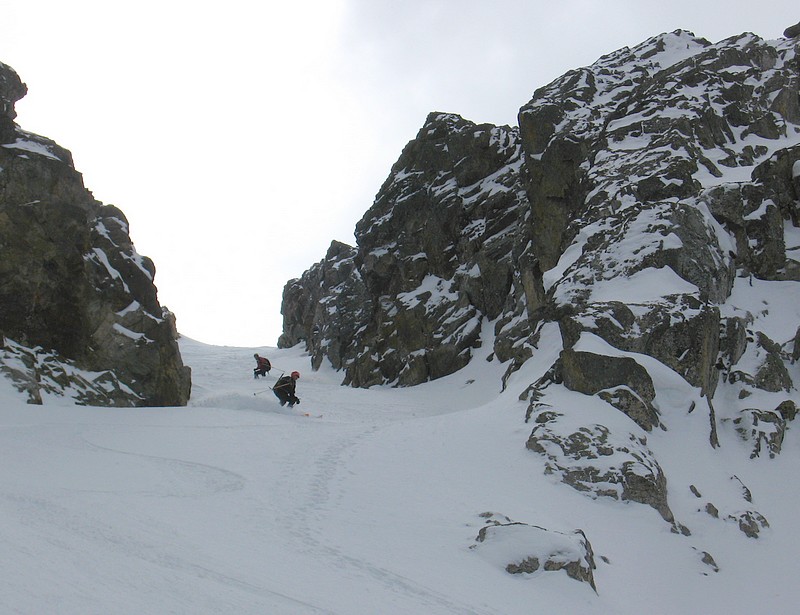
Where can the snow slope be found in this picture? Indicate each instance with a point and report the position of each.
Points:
(236, 505)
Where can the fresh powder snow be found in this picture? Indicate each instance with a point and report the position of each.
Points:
(366, 502)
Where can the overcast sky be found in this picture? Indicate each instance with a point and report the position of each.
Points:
(241, 137)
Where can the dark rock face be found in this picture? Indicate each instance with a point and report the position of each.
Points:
(641, 225)
(438, 252)
(616, 171)
(71, 282)
(620, 381)
(336, 311)
(792, 31)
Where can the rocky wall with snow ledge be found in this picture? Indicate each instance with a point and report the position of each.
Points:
(630, 198)
(643, 221)
(78, 306)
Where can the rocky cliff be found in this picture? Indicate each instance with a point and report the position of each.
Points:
(444, 246)
(640, 225)
(79, 313)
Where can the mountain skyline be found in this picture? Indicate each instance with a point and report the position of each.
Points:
(207, 135)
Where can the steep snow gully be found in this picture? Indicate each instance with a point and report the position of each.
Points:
(370, 504)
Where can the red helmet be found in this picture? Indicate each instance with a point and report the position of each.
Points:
(295, 375)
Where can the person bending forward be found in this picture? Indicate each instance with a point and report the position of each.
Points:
(285, 389)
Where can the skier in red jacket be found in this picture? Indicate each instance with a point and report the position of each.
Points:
(262, 366)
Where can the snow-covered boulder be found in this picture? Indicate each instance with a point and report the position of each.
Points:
(763, 365)
(764, 429)
(750, 522)
(599, 461)
(520, 548)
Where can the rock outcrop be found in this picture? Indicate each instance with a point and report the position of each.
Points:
(643, 220)
(599, 462)
(75, 297)
(536, 550)
(440, 250)
(792, 31)
(638, 167)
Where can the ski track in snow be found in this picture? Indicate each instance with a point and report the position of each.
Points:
(64, 529)
(317, 479)
(192, 478)
(313, 472)
(304, 526)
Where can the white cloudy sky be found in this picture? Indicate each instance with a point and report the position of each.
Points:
(240, 138)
